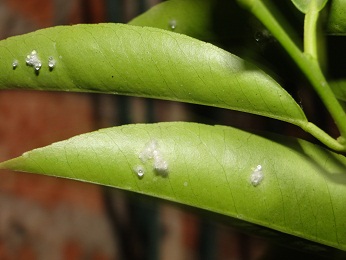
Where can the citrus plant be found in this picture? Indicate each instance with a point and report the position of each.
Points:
(283, 183)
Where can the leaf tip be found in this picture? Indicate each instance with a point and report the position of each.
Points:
(15, 164)
(6, 165)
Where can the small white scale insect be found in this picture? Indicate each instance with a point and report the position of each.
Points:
(148, 151)
(172, 24)
(15, 64)
(51, 62)
(151, 152)
(256, 176)
(33, 60)
(139, 170)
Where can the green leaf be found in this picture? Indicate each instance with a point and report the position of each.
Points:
(146, 62)
(190, 17)
(299, 188)
(337, 18)
(305, 5)
(339, 89)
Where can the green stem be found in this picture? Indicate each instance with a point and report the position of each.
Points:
(323, 137)
(306, 62)
(314, 73)
(261, 11)
(310, 31)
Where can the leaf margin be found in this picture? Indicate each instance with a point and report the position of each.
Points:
(325, 174)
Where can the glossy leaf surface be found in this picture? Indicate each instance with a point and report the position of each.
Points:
(304, 5)
(288, 185)
(190, 17)
(337, 17)
(339, 89)
(147, 62)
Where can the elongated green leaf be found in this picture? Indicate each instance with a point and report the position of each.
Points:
(337, 17)
(339, 89)
(190, 17)
(304, 5)
(147, 62)
(286, 184)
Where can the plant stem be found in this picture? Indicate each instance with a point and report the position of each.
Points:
(314, 73)
(310, 31)
(261, 11)
(323, 137)
(307, 62)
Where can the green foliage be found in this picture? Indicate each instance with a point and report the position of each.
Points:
(145, 62)
(337, 18)
(302, 191)
(192, 18)
(339, 89)
(306, 5)
(283, 183)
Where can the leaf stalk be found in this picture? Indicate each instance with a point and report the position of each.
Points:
(308, 63)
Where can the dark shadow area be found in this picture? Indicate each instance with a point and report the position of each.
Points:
(280, 245)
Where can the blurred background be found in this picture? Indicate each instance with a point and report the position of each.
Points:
(49, 218)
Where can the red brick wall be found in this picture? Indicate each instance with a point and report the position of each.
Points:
(43, 217)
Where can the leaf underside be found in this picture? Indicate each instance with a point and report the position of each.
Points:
(336, 24)
(189, 17)
(339, 89)
(301, 190)
(146, 62)
(304, 5)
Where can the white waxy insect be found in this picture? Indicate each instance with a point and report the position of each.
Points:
(151, 152)
(172, 24)
(148, 151)
(256, 176)
(33, 60)
(15, 64)
(160, 164)
(51, 62)
(139, 170)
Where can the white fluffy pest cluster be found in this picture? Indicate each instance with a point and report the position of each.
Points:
(151, 152)
(33, 60)
(257, 176)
